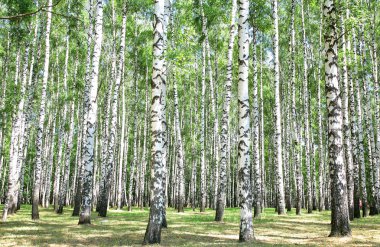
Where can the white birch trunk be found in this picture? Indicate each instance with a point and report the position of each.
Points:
(256, 169)
(10, 205)
(221, 199)
(157, 197)
(202, 204)
(40, 129)
(91, 114)
(244, 142)
(277, 116)
(340, 224)
(306, 114)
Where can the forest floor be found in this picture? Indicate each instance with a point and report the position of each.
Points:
(122, 228)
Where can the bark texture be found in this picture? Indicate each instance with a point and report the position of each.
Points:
(340, 224)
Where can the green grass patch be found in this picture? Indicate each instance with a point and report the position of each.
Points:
(191, 228)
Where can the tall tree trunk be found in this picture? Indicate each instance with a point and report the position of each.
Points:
(244, 142)
(179, 152)
(10, 205)
(134, 162)
(167, 16)
(78, 187)
(306, 114)
(262, 137)
(354, 133)
(295, 137)
(287, 158)
(376, 168)
(153, 231)
(256, 169)
(122, 139)
(144, 154)
(28, 108)
(19, 119)
(221, 199)
(321, 150)
(91, 113)
(215, 135)
(81, 166)
(102, 200)
(202, 204)
(112, 134)
(340, 224)
(86, 103)
(66, 170)
(50, 165)
(369, 130)
(277, 115)
(360, 150)
(2, 105)
(59, 199)
(40, 129)
(194, 147)
(346, 126)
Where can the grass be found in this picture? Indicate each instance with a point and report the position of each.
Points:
(122, 228)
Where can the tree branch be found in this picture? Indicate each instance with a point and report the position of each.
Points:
(63, 15)
(42, 8)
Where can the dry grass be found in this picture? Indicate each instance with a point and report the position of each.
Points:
(122, 228)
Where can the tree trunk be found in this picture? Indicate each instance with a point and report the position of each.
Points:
(144, 154)
(153, 231)
(91, 113)
(256, 169)
(122, 139)
(277, 115)
(361, 168)
(10, 205)
(40, 129)
(167, 15)
(134, 162)
(377, 115)
(354, 132)
(306, 114)
(262, 137)
(179, 152)
(295, 136)
(246, 228)
(202, 204)
(221, 199)
(340, 224)
(66, 170)
(368, 124)
(346, 125)
(59, 200)
(112, 133)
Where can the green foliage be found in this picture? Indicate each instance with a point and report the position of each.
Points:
(260, 15)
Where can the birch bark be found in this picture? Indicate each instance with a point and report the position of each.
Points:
(340, 224)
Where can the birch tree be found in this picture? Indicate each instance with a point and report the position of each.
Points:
(340, 224)
(202, 202)
(41, 118)
(91, 108)
(157, 204)
(306, 113)
(246, 226)
(277, 114)
(225, 120)
(256, 171)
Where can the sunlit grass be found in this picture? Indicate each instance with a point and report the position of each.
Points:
(122, 228)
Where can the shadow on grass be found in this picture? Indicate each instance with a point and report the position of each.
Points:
(122, 228)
